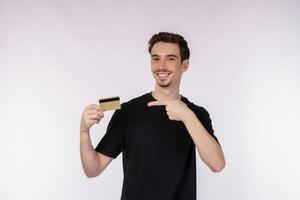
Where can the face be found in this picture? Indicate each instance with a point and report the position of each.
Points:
(166, 64)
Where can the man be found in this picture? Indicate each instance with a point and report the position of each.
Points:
(157, 132)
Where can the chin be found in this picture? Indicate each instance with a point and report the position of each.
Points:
(163, 85)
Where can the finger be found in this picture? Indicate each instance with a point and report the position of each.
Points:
(96, 107)
(101, 114)
(89, 113)
(169, 113)
(157, 103)
(92, 106)
(93, 112)
(92, 122)
(94, 117)
(171, 117)
(168, 108)
(90, 110)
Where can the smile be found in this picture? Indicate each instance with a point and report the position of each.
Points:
(163, 74)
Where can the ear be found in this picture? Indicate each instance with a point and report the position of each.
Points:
(184, 65)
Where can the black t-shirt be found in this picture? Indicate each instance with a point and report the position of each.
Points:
(159, 160)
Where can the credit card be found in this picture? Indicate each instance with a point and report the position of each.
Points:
(110, 103)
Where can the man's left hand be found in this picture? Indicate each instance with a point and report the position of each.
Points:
(176, 109)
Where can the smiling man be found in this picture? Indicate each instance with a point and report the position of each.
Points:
(158, 133)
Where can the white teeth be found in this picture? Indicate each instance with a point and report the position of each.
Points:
(163, 74)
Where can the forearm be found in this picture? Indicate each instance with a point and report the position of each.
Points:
(209, 150)
(89, 159)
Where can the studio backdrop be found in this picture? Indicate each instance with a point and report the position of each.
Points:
(56, 57)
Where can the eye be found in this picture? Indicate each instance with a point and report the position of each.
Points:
(155, 59)
(171, 59)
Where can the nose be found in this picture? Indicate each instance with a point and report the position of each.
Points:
(162, 64)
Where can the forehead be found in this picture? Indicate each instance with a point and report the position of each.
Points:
(165, 48)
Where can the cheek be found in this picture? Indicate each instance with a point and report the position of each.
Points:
(177, 69)
(177, 73)
(152, 68)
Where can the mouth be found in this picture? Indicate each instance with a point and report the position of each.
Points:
(163, 74)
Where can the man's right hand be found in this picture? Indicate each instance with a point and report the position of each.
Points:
(91, 115)
(93, 162)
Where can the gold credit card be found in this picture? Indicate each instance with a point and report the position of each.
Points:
(111, 103)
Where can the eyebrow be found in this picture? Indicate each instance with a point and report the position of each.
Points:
(170, 55)
(154, 55)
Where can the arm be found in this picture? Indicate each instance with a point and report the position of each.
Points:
(93, 162)
(209, 150)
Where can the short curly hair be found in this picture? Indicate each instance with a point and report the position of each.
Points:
(171, 38)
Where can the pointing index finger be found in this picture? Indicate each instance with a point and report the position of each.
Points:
(157, 103)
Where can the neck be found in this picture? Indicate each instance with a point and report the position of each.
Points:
(163, 94)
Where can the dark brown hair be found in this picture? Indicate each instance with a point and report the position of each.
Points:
(171, 38)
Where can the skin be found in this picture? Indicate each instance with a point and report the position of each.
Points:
(165, 59)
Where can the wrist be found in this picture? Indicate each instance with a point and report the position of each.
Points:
(189, 115)
(84, 131)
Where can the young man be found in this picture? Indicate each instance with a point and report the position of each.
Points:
(157, 132)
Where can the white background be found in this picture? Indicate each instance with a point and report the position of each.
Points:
(56, 57)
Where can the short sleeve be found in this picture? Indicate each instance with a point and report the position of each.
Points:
(204, 117)
(112, 143)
